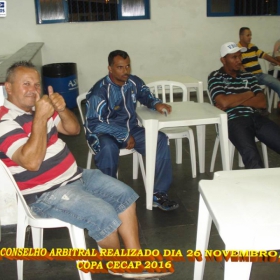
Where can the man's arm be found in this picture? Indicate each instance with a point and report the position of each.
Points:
(233, 100)
(145, 96)
(271, 59)
(69, 124)
(32, 153)
(258, 101)
(246, 99)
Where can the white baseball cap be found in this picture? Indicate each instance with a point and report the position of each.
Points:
(230, 47)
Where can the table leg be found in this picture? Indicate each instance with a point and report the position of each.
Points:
(238, 270)
(202, 237)
(223, 133)
(151, 135)
(200, 132)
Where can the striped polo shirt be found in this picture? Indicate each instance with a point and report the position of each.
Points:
(58, 166)
(219, 82)
(250, 58)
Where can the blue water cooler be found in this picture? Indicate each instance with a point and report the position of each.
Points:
(64, 80)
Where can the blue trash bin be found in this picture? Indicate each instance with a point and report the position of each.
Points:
(64, 80)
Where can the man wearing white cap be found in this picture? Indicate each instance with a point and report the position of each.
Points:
(239, 94)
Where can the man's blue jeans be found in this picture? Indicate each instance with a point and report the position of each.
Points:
(108, 158)
(270, 81)
(242, 132)
(92, 202)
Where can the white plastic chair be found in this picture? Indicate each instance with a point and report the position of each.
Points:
(137, 158)
(37, 224)
(232, 149)
(231, 153)
(170, 88)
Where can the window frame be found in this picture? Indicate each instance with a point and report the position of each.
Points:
(67, 16)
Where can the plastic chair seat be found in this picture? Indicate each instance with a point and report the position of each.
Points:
(176, 131)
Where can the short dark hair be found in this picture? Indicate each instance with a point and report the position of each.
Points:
(11, 70)
(115, 53)
(242, 29)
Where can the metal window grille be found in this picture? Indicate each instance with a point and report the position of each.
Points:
(54, 11)
(92, 10)
(256, 7)
(243, 7)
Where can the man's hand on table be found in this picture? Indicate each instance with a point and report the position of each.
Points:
(161, 107)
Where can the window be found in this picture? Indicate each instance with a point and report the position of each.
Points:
(53, 11)
(219, 8)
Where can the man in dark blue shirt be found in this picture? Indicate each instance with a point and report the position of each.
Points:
(111, 124)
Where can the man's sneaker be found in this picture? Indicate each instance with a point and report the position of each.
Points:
(162, 201)
(145, 275)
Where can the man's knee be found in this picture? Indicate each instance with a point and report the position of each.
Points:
(108, 157)
(109, 145)
(109, 150)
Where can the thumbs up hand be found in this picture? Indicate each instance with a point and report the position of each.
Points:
(57, 100)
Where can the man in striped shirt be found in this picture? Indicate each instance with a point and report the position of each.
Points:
(250, 60)
(46, 171)
(239, 94)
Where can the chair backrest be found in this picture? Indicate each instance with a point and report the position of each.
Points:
(211, 102)
(80, 98)
(165, 88)
(265, 65)
(210, 99)
(6, 175)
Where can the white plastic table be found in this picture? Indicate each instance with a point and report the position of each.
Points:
(187, 80)
(244, 205)
(183, 114)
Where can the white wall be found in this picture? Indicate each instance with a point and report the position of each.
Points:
(179, 39)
